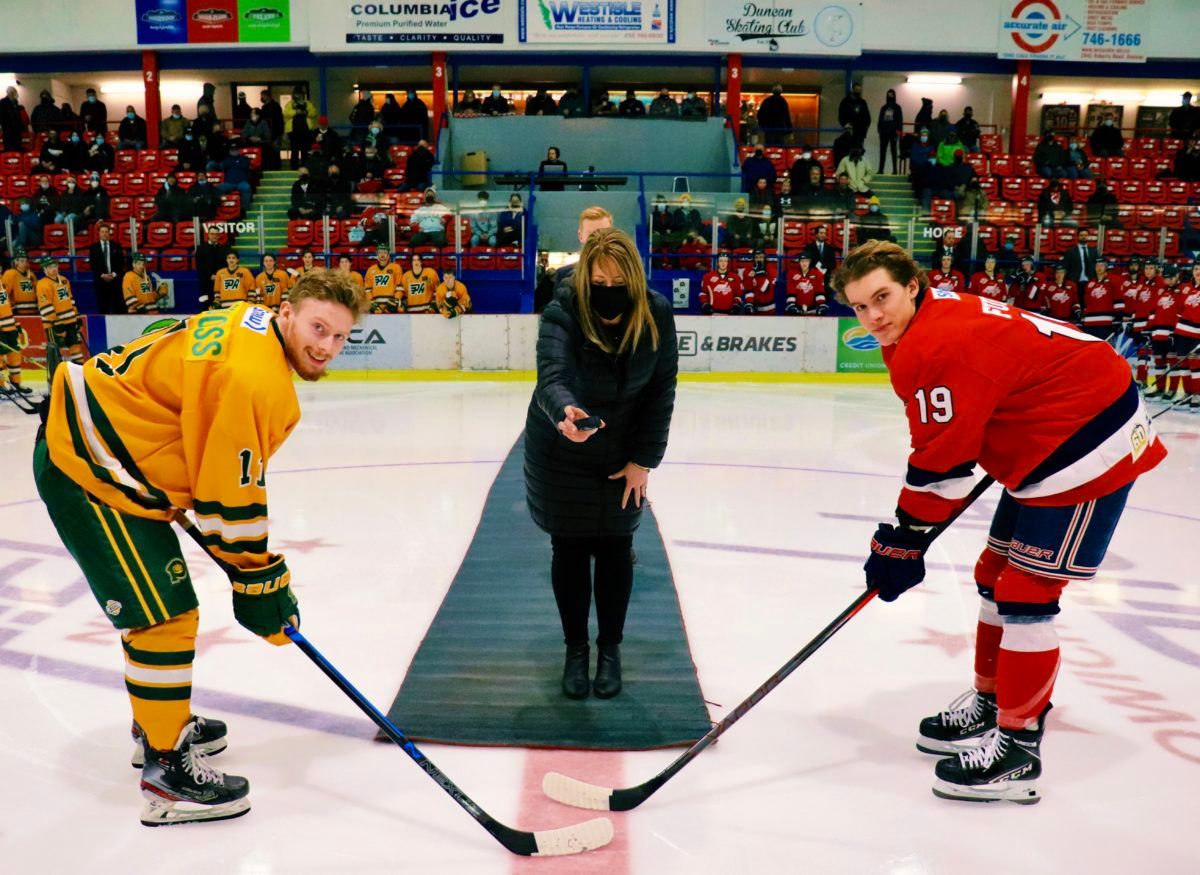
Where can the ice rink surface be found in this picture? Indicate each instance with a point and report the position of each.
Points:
(766, 501)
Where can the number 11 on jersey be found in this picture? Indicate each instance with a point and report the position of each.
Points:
(247, 459)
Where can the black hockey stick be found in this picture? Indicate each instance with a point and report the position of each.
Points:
(21, 401)
(575, 839)
(583, 795)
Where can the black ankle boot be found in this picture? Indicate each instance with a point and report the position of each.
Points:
(575, 672)
(608, 672)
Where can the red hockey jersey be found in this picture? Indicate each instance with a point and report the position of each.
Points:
(1101, 302)
(1148, 292)
(723, 292)
(988, 286)
(1189, 318)
(758, 290)
(1061, 302)
(805, 289)
(1047, 410)
(953, 281)
(1167, 307)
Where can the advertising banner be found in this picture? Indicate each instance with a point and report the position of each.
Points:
(793, 27)
(174, 22)
(631, 22)
(161, 22)
(1105, 31)
(448, 22)
(857, 351)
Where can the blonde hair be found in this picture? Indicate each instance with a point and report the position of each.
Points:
(592, 214)
(874, 254)
(335, 286)
(615, 247)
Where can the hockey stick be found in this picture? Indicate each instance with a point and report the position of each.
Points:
(19, 400)
(575, 839)
(583, 795)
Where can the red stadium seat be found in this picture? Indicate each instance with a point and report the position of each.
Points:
(144, 208)
(125, 234)
(157, 178)
(1064, 238)
(125, 161)
(411, 200)
(1171, 249)
(990, 186)
(1025, 213)
(399, 154)
(1126, 214)
(55, 237)
(989, 236)
(1148, 216)
(794, 236)
(1021, 235)
(991, 144)
(1035, 185)
(185, 178)
(1002, 164)
(745, 152)
(824, 157)
(1132, 191)
(335, 232)
(980, 162)
(1156, 191)
(1081, 189)
(1116, 243)
(393, 177)
(149, 160)
(174, 260)
(1147, 146)
(778, 157)
(168, 158)
(114, 183)
(1143, 242)
(430, 256)
(300, 233)
(185, 235)
(1140, 168)
(1172, 217)
(1032, 141)
(1116, 168)
(1015, 188)
(254, 156)
(215, 177)
(12, 163)
(508, 259)
(1023, 165)
(941, 210)
(230, 207)
(160, 235)
(1161, 166)
(120, 207)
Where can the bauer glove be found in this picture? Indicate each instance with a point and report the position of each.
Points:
(263, 601)
(897, 560)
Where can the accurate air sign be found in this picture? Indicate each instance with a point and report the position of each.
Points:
(1075, 30)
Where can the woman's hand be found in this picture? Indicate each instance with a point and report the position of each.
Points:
(636, 479)
(567, 425)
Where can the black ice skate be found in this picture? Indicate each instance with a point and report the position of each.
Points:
(209, 740)
(1005, 767)
(181, 787)
(969, 717)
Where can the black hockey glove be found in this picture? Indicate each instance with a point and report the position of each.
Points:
(706, 309)
(897, 560)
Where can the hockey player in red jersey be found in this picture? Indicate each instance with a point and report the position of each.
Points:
(1051, 413)
(1168, 305)
(989, 283)
(1061, 297)
(1102, 302)
(946, 277)
(1148, 290)
(758, 286)
(1025, 288)
(721, 290)
(1187, 337)
(805, 289)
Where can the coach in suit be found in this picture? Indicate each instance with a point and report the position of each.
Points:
(108, 268)
(1080, 259)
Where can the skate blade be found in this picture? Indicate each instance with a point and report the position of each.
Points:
(161, 812)
(948, 748)
(1021, 792)
(208, 749)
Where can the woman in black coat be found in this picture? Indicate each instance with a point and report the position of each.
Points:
(552, 164)
(606, 351)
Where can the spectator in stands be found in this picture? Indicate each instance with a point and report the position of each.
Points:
(26, 225)
(308, 200)
(1107, 141)
(210, 258)
(70, 205)
(949, 148)
(693, 107)
(470, 103)
(327, 140)
(786, 203)
(761, 196)
(874, 225)
(1185, 118)
(216, 146)
(298, 119)
(429, 219)
(241, 111)
(811, 195)
(75, 154)
(68, 118)
(256, 132)
(131, 133)
(202, 124)
(107, 258)
(172, 128)
(974, 203)
(931, 180)
(775, 117)
(392, 118)
(890, 126)
(741, 231)
(798, 173)
(205, 198)
(664, 106)
(1077, 159)
(750, 131)
(361, 117)
(687, 218)
(509, 224)
(1055, 205)
(418, 170)
(858, 169)
(53, 150)
(755, 167)
(958, 174)
(374, 164)
(171, 203)
(940, 128)
(842, 146)
(841, 200)
(968, 130)
(339, 193)
(93, 113)
(664, 233)
(100, 155)
(631, 107)
(496, 103)
(854, 112)
(208, 97)
(96, 200)
(920, 151)
(552, 165)
(603, 105)
(572, 104)
(12, 123)
(46, 116)
(191, 154)
(1050, 158)
(541, 104)
(924, 116)
(1102, 206)
(272, 114)
(483, 223)
(45, 200)
(1187, 161)
(236, 168)
(414, 118)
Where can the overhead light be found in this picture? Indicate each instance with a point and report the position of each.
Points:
(1163, 98)
(166, 89)
(9, 80)
(933, 79)
(1118, 96)
(1067, 97)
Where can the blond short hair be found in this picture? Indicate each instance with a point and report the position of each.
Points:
(593, 214)
(321, 284)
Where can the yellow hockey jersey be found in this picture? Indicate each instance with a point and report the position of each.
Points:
(460, 297)
(233, 288)
(382, 285)
(140, 294)
(420, 291)
(22, 291)
(272, 287)
(185, 417)
(55, 301)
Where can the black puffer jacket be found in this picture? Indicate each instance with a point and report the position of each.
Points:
(566, 484)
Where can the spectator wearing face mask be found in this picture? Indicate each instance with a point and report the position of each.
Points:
(843, 144)
(968, 130)
(874, 225)
(1050, 158)
(71, 204)
(693, 107)
(414, 118)
(236, 168)
(1107, 141)
(664, 106)
(949, 147)
(241, 111)
(853, 111)
(418, 170)
(496, 103)
(756, 167)
(429, 220)
(541, 104)
(308, 198)
(631, 106)
(940, 127)
(46, 116)
(775, 117)
(921, 149)
(572, 104)
(469, 104)
(256, 131)
(1077, 159)
(604, 105)
(45, 200)
(510, 223)
(27, 228)
(75, 156)
(338, 193)
(93, 113)
(95, 200)
(172, 128)
(191, 153)
(483, 223)
(889, 127)
(1187, 161)
(100, 155)
(856, 166)
(131, 133)
(740, 227)
(799, 171)
(361, 117)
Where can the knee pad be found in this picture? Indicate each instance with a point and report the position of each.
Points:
(1021, 593)
(988, 570)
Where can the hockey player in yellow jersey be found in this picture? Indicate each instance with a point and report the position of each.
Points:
(418, 288)
(186, 417)
(141, 290)
(452, 297)
(21, 284)
(346, 266)
(234, 284)
(12, 342)
(272, 283)
(383, 282)
(57, 307)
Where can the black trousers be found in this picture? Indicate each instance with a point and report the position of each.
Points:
(571, 577)
(884, 140)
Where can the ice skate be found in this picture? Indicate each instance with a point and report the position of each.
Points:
(210, 739)
(181, 787)
(969, 717)
(1004, 767)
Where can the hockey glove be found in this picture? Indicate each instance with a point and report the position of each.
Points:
(821, 309)
(706, 309)
(897, 560)
(748, 308)
(792, 310)
(263, 601)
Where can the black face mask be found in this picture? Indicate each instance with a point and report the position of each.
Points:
(610, 302)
